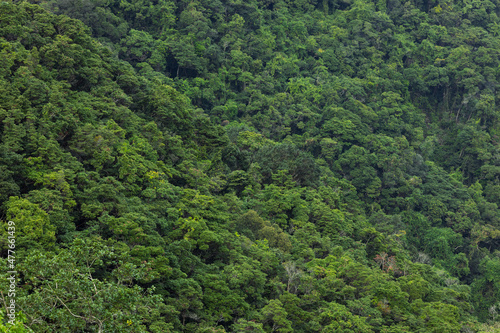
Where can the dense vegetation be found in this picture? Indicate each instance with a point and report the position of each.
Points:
(251, 166)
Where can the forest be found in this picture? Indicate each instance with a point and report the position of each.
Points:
(197, 166)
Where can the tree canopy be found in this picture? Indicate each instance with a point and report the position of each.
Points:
(263, 166)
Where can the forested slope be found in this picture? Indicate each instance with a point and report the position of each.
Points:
(262, 166)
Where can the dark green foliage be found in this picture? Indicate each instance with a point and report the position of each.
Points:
(298, 164)
(256, 166)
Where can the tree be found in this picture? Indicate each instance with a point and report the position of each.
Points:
(75, 292)
(274, 317)
(32, 227)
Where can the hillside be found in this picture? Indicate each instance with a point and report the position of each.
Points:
(258, 166)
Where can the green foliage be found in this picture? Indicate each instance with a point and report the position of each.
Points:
(300, 166)
(17, 327)
(31, 225)
(69, 279)
(266, 166)
(275, 317)
(253, 226)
